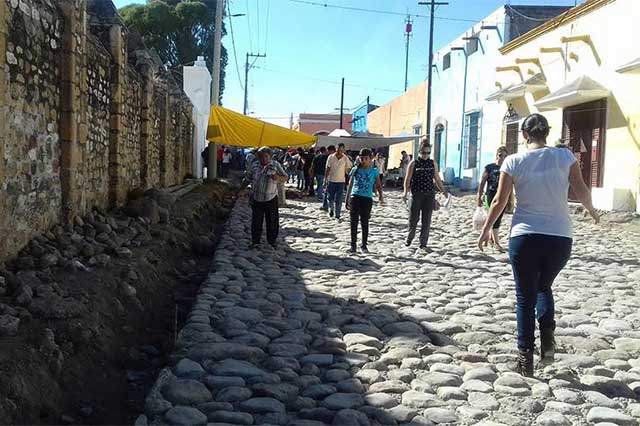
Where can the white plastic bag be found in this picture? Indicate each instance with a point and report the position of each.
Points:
(479, 217)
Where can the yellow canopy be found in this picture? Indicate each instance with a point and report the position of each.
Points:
(231, 128)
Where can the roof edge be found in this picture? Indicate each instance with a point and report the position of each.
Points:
(564, 18)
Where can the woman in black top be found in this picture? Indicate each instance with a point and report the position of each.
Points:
(490, 179)
(424, 180)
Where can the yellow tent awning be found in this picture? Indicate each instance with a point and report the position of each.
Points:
(228, 127)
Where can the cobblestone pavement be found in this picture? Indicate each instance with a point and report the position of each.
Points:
(308, 335)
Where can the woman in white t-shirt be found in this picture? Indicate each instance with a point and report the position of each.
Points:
(541, 231)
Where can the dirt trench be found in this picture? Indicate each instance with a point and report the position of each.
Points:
(97, 306)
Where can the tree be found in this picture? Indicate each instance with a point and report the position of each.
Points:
(179, 30)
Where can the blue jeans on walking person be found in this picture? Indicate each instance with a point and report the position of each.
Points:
(335, 197)
(320, 187)
(536, 260)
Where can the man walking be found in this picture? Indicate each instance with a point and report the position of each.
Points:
(266, 174)
(338, 166)
(318, 167)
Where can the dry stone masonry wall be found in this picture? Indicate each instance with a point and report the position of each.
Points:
(86, 116)
(30, 182)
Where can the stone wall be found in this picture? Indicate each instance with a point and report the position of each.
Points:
(30, 190)
(96, 162)
(86, 116)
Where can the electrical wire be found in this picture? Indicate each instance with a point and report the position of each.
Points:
(266, 32)
(525, 16)
(382, 12)
(249, 26)
(326, 81)
(258, 27)
(233, 44)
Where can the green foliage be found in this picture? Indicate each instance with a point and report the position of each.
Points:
(179, 30)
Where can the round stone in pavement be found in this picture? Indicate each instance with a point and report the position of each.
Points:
(380, 400)
(187, 369)
(484, 373)
(262, 405)
(351, 417)
(551, 418)
(185, 416)
(233, 394)
(483, 401)
(187, 392)
(236, 418)
(441, 415)
(604, 414)
(415, 399)
(340, 401)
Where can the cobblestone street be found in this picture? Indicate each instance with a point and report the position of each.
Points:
(308, 335)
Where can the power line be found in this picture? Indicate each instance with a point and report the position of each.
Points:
(233, 44)
(326, 81)
(266, 33)
(383, 12)
(258, 13)
(249, 26)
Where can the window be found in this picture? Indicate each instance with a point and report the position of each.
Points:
(471, 139)
(446, 61)
(438, 145)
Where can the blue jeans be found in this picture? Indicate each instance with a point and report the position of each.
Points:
(320, 187)
(335, 197)
(536, 260)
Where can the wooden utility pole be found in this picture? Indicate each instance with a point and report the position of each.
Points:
(432, 4)
(212, 170)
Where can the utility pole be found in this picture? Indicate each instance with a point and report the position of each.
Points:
(212, 170)
(407, 32)
(432, 4)
(247, 67)
(342, 104)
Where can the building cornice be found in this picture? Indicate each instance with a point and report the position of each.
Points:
(562, 19)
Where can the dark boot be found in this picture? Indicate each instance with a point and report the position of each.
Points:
(547, 345)
(524, 364)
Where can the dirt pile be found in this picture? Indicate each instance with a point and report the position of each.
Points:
(89, 310)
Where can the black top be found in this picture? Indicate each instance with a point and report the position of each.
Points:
(423, 174)
(308, 159)
(493, 177)
(319, 164)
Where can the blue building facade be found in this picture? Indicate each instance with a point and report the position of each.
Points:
(359, 118)
(464, 76)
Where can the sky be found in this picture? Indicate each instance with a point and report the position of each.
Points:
(310, 48)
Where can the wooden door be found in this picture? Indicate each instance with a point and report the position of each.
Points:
(583, 131)
(512, 132)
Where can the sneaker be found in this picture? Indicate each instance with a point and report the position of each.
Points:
(547, 346)
(524, 364)
(352, 250)
(364, 249)
(425, 249)
(407, 243)
(330, 213)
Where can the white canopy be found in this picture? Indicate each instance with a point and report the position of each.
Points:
(355, 143)
(579, 91)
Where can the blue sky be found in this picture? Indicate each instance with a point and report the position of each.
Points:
(310, 48)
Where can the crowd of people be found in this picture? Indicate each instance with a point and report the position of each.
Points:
(540, 238)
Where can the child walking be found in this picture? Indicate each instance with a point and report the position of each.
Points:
(364, 179)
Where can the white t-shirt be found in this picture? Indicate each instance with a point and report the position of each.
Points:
(339, 167)
(226, 157)
(541, 180)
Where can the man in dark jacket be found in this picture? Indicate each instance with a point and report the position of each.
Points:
(318, 166)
